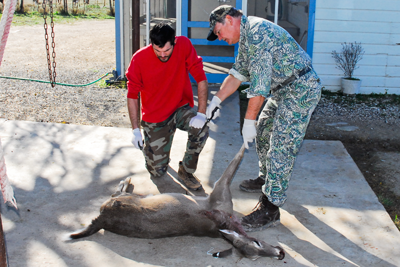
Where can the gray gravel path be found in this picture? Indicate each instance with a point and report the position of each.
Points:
(85, 51)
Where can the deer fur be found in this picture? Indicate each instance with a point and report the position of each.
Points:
(174, 214)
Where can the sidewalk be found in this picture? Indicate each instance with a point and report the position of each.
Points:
(61, 174)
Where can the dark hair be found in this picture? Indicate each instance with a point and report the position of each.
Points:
(233, 12)
(161, 34)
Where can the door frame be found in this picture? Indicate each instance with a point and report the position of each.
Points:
(184, 29)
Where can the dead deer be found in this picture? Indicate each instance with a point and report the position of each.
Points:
(173, 214)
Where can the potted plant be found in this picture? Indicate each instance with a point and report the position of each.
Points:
(347, 61)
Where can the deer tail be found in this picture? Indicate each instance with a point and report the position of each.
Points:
(93, 228)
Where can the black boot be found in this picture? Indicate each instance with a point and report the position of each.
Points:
(265, 215)
(252, 185)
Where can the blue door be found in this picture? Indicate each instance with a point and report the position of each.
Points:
(195, 26)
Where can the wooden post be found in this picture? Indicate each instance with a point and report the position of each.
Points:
(3, 254)
(136, 37)
(135, 25)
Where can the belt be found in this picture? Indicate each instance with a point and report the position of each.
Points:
(294, 77)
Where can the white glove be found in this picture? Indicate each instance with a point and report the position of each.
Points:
(198, 121)
(137, 139)
(249, 132)
(215, 101)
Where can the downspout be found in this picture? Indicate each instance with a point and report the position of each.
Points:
(118, 42)
(311, 27)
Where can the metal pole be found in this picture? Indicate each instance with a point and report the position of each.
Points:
(276, 12)
(244, 7)
(178, 17)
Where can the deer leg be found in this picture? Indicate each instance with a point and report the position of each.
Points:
(124, 186)
(220, 197)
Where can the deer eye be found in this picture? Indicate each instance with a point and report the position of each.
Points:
(257, 244)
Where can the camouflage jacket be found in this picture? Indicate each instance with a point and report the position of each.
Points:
(267, 56)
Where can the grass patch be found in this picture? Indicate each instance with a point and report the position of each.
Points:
(397, 221)
(33, 15)
(387, 202)
(102, 84)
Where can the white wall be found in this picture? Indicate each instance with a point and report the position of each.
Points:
(376, 24)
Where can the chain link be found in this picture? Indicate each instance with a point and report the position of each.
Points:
(51, 64)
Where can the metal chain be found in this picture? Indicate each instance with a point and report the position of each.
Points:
(52, 72)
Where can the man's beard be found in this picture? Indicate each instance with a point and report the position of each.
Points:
(164, 59)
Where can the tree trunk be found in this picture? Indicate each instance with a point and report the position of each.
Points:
(66, 7)
(111, 9)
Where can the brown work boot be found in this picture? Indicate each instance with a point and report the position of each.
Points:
(252, 185)
(264, 215)
(188, 179)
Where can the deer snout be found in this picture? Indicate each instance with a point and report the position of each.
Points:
(252, 248)
(281, 253)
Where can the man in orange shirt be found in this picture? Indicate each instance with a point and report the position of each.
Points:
(159, 72)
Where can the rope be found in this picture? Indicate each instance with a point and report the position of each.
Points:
(6, 189)
(5, 24)
(65, 84)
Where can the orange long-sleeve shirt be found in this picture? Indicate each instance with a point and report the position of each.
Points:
(164, 86)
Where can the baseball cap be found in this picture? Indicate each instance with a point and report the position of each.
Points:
(215, 16)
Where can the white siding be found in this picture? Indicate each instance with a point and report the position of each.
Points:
(374, 24)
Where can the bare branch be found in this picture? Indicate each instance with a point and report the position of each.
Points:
(348, 58)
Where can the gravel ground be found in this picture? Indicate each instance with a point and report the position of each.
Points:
(87, 106)
(367, 126)
(365, 109)
(92, 105)
(85, 51)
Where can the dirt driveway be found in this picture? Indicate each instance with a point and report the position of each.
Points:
(86, 50)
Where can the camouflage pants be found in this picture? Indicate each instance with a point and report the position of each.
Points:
(158, 139)
(281, 128)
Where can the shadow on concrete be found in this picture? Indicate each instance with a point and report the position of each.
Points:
(168, 183)
(61, 175)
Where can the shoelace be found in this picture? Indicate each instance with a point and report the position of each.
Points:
(192, 178)
(259, 204)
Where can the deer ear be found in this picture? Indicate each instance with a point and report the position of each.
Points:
(229, 232)
(223, 254)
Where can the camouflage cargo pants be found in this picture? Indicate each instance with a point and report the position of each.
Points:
(158, 139)
(281, 128)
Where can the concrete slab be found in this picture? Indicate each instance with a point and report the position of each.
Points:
(61, 174)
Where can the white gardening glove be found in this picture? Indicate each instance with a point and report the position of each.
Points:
(198, 121)
(215, 101)
(137, 139)
(249, 132)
